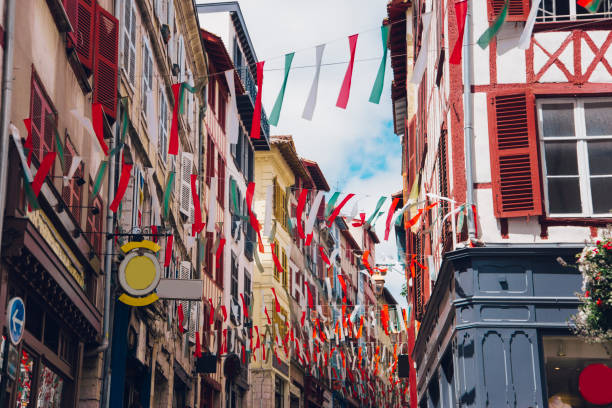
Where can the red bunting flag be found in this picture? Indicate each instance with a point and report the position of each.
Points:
(414, 219)
(277, 305)
(300, 208)
(43, 171)
(174, 139)
(211, 317)
(256, 122)
(198, 225)
(181, 317)
(168, 252)
(343, 284)
(343, 97)
(390, 217)
(244, 306)
(337, 209)
(460, 13)
(303, 317)
(97, 120)
(198, 346)
(324, 256)
(220, 251)
(267, 315)
(252, 218)
(154, 232)
(224, 311)
(310, 301)
(124, 180)
(277, 263)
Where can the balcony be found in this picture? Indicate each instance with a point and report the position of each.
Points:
(246, 106)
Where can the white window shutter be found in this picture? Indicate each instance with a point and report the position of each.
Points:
(185, 273)
(193, 320)
(186, 168)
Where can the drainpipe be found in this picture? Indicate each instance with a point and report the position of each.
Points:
(7, 95)
(468, 120)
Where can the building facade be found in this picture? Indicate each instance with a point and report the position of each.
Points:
(489, 294)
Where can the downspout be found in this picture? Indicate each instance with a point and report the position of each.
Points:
(7, 96)
(468, 126)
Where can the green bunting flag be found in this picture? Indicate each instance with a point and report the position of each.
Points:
(124, 125)
(234, 199)
(168, 193)
(490, 32)
(379, 204)
(380, 77)
(331, 203)
(591, 5)
(30, 195)
(58, 147)
(275, 115)
(185, 86)
(99, 178)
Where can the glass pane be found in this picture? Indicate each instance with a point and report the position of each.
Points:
(561, 158)
(600, 153)
(601, 192)
(564, 195)
(558, 120)
(49, 389)
(565, 358)
(597, 118)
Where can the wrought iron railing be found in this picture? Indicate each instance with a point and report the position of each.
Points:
(251, 87)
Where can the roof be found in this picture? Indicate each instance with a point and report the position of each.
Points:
(373, 235)
(316, 174)
(239, 24)
(389, 299)
(219, 58)
(396, 10)
(285, 145)
(346, 232)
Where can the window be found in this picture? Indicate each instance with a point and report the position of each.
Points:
(221, 182)
(106, 60)
(147, 75)
(564, 10)
(81, 14)
(94, 223)
(279, 394)
(280, 205)
(43, 118)
(576, 144)
(222, 108)
(163, 125)
(129, 40)
(565, 359)
(208, 253)
(284, 265)
(210, 160)
(247, 288)
(219, 266)
(73, 192)
(212, 93)
(234, 286)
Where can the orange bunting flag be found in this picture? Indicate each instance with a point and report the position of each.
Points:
(414, 219)
(364, 259)
(343, 284)
(360, 328)
(405, 318)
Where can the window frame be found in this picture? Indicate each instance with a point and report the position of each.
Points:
(584, 176)
(573, 16)
(162, 137)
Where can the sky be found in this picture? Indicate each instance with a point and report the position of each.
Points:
(356, 148)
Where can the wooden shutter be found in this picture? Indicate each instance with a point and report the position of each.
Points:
(186, 169)
(106, 42)
(129, 40)
(81, 16)
(515, 172)
(42, 124)
(221, 182)
(518, 10)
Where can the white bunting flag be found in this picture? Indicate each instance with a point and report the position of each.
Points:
(313, 212)
(76, 160)
(212, 205)
(421, 61)
(525, 39)
(312, 96)
(95, 151)
(22, 157)
(233, 111)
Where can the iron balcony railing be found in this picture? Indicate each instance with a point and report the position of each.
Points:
(251, 87)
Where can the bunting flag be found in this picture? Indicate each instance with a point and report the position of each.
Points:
(277, 263)
(97, 119)
(267, 316)
(525, 39)
(311, 102)
(124, 180)
(74, 165)
(252, 218)
(421, 61)
(313, 213)
(276, 304)
(198, 346)
(168, 193)
(299, 210)
(379, 204)
(337, 209)
(461, 8)
(310, 301)
(490, 32)
(323, 255)
(258, 262)
(366, 263)
(359, 335)
(591, 5)
(331, 203)
(211, 317)
(168, 251)
(99, 179)
(380, 76)
(43, 171)
(173, 143)
(197, 209)
(234, 125)
(244, 306)
(414, 219)
(343, 97)
(276, 110)
(220, 251)
(475, 215)
(181, 317)
(224, 312)
(28, 142)
(343, 285)
(255, 123)
(390, 216)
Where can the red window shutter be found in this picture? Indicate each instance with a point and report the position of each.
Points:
(81, 16)
(42, 124)
(221, 182)
(515, 171)
(518, 10)
(106, 42)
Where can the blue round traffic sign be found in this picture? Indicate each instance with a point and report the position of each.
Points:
(15, 316)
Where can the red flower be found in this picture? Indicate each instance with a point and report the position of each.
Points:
(587, 293)
(599, 302)
(598, 242)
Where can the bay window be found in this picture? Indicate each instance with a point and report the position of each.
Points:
(576, 146)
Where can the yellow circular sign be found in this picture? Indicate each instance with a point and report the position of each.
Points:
(140, 272)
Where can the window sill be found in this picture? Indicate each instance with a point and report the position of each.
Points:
(579, 221)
